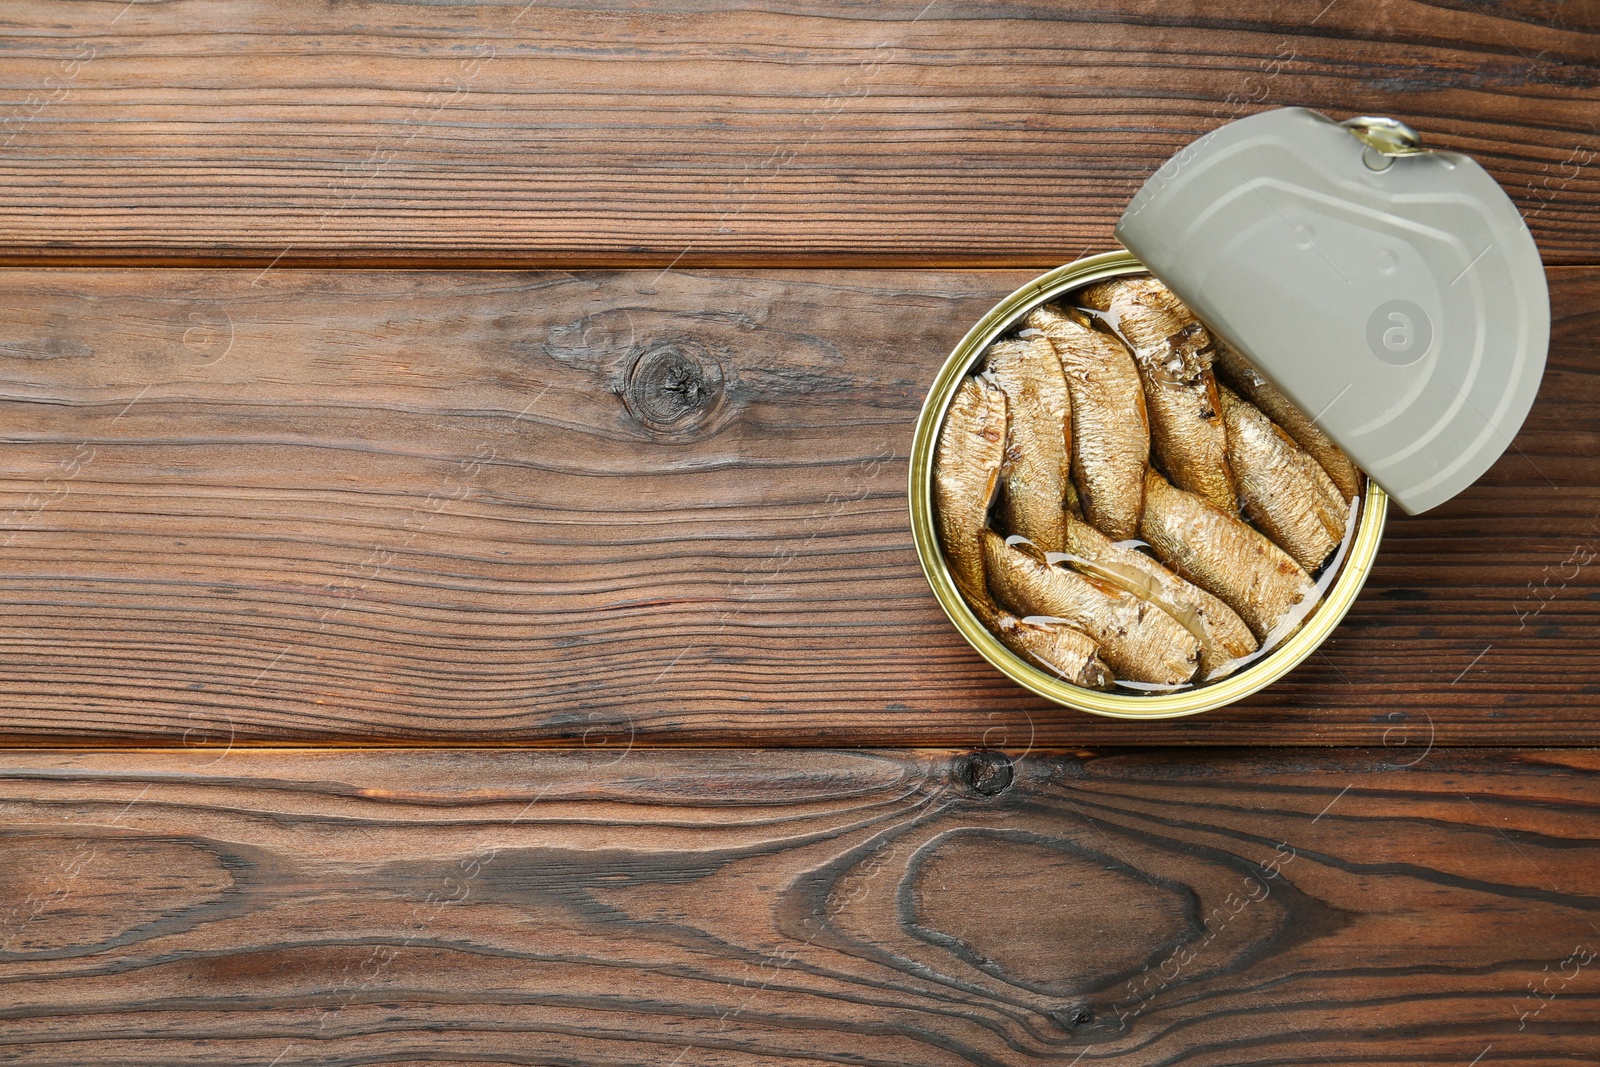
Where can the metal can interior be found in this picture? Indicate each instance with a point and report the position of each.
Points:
(1322, 621)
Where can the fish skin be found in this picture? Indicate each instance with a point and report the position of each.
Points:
(1057, 648)
(1150, 316)
(1223, 635)
(1284, 491)
(1236, 370)
(1110, 425)
(1172, 351)
(1137, 640)
(1037, 471)
(1222, 555)
(966, 476)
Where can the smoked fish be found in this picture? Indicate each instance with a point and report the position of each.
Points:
(1263, 394)
(1284, 490)
(1223, 556)
(1138, 640)
(966, 476)
(1172, 351)
(1037, 471)
(1224, 637)
(1058, 648)
(1110, 426)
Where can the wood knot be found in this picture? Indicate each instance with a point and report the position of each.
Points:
(985, 773)
(673, 387)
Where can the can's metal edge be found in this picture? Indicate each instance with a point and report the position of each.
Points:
(1363, 548)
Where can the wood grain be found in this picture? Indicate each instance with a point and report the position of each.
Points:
(593, 133)
(758, 907)
(487, 508)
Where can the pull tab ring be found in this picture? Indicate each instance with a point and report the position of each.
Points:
(1385, 139)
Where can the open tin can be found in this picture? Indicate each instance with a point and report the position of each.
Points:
(1293, 207)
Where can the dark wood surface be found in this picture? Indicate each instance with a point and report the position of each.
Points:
(910, 133)
(324, 506)
(748, 908)
(654, 520)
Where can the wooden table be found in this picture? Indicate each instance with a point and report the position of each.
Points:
(461, 606)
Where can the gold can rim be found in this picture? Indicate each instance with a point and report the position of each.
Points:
(1335, 604)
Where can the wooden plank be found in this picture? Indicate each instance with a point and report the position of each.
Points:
(758, 907)
(454, 507)
(590, 133)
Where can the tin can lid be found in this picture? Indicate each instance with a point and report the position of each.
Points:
(1392, 292)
